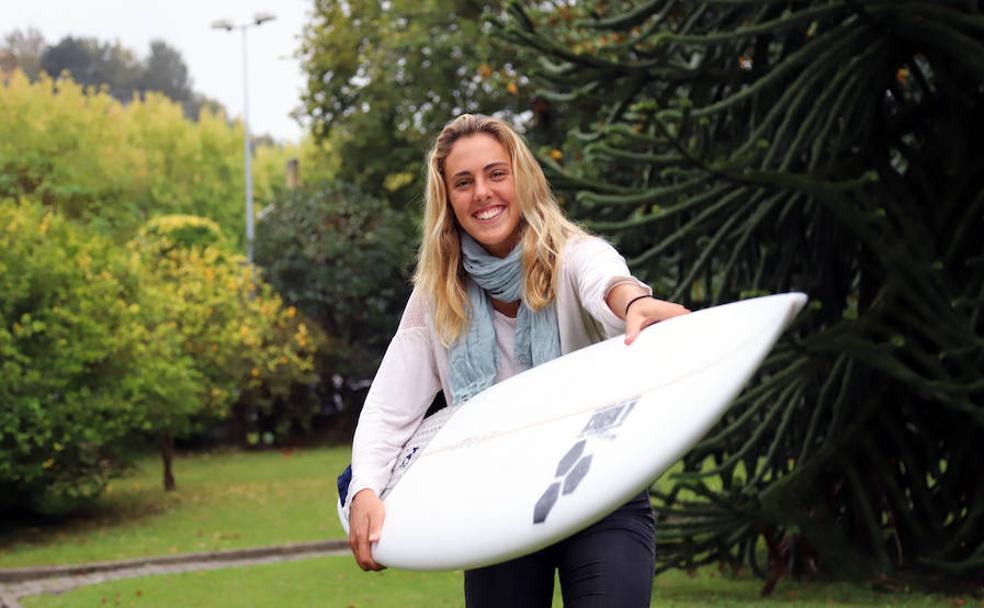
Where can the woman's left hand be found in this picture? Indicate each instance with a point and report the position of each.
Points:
(639, 309)
(647, 311)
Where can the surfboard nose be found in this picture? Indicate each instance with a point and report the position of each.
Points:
(796, 300)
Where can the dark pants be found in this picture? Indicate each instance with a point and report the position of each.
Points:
(609, 564)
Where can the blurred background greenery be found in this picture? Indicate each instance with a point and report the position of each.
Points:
(728, 149)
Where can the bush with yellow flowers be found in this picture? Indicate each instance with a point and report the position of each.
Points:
(79, 370)
(103, 346)
(250, 351)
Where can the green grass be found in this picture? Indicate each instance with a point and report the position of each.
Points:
(337, 581)
(234, 499)
(224, 500)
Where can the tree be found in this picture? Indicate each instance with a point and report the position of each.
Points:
(22, 50)
(93, 64)
(343, 259)
(78, 370)
(166, 72)
(246, 348)
(383, 78)
(101, 347)
(831, 147)
(114, 166)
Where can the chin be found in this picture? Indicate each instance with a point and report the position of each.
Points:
(494, 242)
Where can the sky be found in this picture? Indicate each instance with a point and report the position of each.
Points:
(213, 57)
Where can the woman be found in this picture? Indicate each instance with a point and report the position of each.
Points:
(504, 282)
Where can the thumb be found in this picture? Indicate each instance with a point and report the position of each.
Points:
(375, 524)
(632, 329)
(637, 327)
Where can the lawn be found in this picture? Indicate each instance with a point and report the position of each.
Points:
(224, 500)
(237, 499)
(337, 582)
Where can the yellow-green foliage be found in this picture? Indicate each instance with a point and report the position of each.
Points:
(182, 231)
(113, 165)
(100, 344)
(242, 340)
(77, 365)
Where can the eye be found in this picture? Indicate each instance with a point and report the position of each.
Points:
(498, 174)
(462, 183)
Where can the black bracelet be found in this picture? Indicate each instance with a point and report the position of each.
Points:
(635, 299)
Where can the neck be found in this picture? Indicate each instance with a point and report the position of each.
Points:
(510, 309)
(501, 250)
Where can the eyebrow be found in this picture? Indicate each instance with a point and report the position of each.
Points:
(485, 168)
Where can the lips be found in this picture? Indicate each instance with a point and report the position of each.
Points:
(488, 213)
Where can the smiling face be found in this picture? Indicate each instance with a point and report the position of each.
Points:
(482, 192)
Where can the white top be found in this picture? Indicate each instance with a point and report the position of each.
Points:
(507, 365)
(415, 366)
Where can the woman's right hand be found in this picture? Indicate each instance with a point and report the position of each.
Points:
(365, 520)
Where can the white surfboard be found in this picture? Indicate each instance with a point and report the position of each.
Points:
(550, 451)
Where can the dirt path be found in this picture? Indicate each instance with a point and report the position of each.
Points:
(21, 582)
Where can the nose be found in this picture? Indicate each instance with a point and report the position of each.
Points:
(482, 190)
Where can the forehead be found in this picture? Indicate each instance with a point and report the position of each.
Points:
(473, 153)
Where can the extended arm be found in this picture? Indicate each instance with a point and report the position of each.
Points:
(605, 287)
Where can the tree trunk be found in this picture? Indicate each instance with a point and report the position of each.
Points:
(238, 427)
(167, 456)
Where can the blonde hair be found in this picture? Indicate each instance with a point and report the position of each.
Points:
(440, 274)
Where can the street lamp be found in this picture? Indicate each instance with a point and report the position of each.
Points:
(225, 24)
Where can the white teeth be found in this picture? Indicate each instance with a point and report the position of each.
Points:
(489, 213)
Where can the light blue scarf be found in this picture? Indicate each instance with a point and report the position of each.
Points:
(472, 357)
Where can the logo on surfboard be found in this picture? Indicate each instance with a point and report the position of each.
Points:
(574, 464)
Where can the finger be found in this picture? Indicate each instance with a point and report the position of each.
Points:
(635, 334)
(375, 523)
(364, 553)
(372, 530)
(367, 562)
(353, 534)
(358, 542)
(375, 528)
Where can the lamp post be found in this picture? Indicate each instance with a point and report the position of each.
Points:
(225, 24)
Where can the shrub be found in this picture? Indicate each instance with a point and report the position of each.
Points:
(76, 364)
(247, 347)
(344, 259)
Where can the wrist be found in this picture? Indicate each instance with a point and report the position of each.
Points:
(636, 299)
(365, 493)
(620, 294)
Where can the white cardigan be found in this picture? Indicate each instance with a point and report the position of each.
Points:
(415, 366)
